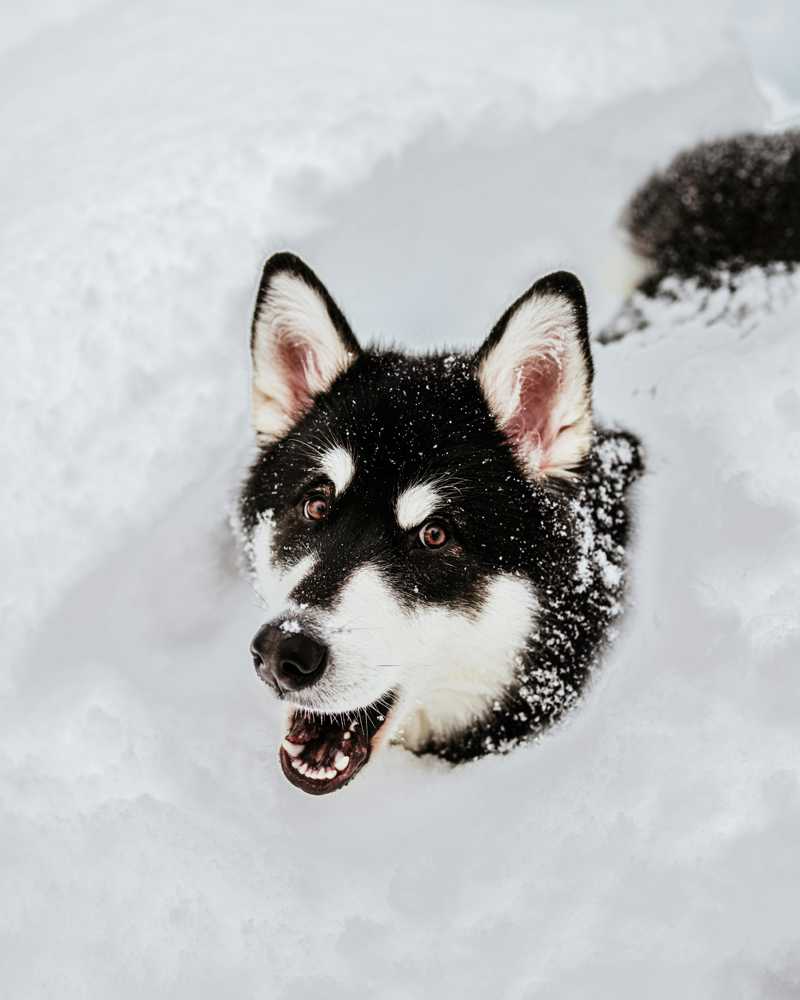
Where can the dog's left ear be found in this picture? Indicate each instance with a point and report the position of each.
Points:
(300, 344)
(535, 370)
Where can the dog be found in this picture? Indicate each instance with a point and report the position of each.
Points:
(441, 539)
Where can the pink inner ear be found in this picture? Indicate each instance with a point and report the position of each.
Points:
(530, 426)
(294, 357)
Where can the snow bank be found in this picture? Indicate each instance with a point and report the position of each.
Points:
(429, 162)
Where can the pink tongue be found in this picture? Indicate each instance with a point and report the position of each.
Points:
(303, 729)
(322, 740)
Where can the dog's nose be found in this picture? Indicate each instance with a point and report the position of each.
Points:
(291, 660)
(301, 661)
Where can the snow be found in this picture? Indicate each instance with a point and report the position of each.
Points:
(429, 161)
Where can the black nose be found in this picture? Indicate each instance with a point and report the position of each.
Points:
(290, 660)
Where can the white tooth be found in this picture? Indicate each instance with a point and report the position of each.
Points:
(340, 761)
(331, 772)
(316, 774)
(296, 764)
(303, 768)
(293, 749)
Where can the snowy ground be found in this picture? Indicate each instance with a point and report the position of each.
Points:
(429, 162)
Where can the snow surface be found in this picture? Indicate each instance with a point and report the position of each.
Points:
(429, 162)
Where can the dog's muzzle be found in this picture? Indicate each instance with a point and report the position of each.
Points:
(320, 751)
(288, 661)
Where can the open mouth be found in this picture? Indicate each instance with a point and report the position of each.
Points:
(322, 753)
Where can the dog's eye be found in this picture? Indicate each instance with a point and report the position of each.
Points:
(433, 535)
(315, 507)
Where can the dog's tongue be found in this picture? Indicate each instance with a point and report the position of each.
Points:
(321, 753)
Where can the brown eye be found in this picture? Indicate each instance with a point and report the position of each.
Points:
(315, 508)
(433, 535)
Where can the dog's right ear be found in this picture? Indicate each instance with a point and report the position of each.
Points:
(300, 344)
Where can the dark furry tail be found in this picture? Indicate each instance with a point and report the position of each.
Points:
(723, 205)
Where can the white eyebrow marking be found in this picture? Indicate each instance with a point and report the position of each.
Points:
(338, 465)
(417, 503)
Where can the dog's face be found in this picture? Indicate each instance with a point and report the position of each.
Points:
(396, 514)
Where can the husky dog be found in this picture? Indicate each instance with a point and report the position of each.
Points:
(440, 539)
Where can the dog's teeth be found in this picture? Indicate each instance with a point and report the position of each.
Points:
(296, 764)
(340, 761)
(293, 749)
(330, 772)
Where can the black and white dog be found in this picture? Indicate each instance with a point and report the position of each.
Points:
(440, 539)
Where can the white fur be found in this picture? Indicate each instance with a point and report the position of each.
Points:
(293, 311)
(274, 583)
(624, 269)
(416, 504)
(448, 665)
(337, 464)
(542, 327)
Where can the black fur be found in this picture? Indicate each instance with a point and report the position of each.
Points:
(721, 206)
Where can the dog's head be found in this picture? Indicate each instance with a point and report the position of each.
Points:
(395, 515)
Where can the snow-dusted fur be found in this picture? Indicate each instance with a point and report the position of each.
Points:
(337, 464)
(719, 208)
(418, 502)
